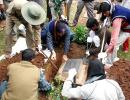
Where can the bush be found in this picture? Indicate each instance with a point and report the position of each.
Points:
(80, 34)
(55, 93)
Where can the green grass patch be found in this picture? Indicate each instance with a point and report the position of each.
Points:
(2, 42)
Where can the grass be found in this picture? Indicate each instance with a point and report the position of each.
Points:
(2, 42)
(124, 55)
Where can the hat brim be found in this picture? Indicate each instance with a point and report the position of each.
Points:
(26, 16)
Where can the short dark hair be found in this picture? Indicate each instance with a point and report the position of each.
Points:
(91, 22)
(28, 54)
(59, 26)
(104, 7)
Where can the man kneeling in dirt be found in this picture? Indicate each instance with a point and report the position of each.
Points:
(24, 78)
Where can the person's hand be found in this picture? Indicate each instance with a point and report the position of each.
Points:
(87, 53)
(39, 47)
(22, 28)
(53, 57)
(72, 72)
(65, 58)
(2, 7)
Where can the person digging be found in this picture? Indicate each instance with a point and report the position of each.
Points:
(31, 15)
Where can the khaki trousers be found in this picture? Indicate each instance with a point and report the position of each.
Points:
(32, 32)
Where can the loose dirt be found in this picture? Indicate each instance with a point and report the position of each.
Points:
(120, 71)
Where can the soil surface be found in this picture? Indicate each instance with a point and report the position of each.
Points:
(120, 71)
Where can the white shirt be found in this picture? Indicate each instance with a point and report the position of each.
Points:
(19, 45)
(1, 1)
(93, 38)
(105, 89)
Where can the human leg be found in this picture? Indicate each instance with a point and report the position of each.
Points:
(68, 8)
(90, 8)
(78, 11)
(8, 34)
(53, 13)
(3, 87)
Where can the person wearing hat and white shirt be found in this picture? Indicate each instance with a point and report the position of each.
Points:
(96, 87)
(31, 15)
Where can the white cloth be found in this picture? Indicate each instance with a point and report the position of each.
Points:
(93, 38)
(105, 89)
(48, 54)
(1, 1)
(19, 45)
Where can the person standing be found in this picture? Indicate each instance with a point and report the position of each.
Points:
(89, 4)
(31, 15)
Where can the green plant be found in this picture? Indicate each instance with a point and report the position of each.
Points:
(80, 34)
(55, 93)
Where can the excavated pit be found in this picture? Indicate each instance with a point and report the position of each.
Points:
(120, 71)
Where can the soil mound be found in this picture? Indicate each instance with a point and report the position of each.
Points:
(120, 71)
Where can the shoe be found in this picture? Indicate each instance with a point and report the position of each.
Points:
(116, 59)
(126, 51)
(75, 23)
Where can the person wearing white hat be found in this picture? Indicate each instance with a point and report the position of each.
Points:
(31, 15)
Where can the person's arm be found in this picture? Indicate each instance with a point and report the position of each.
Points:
(70, 92)
(115, 33)
(50, 44)
(120, 94)
(67, 40)
(44, 85)
(119, 91)
(1, 5)
(66, 43)
(49, 40)
(67, 90)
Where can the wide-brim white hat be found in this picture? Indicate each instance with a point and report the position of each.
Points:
(33, 13)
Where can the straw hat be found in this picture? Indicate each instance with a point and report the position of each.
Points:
(33, 13)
